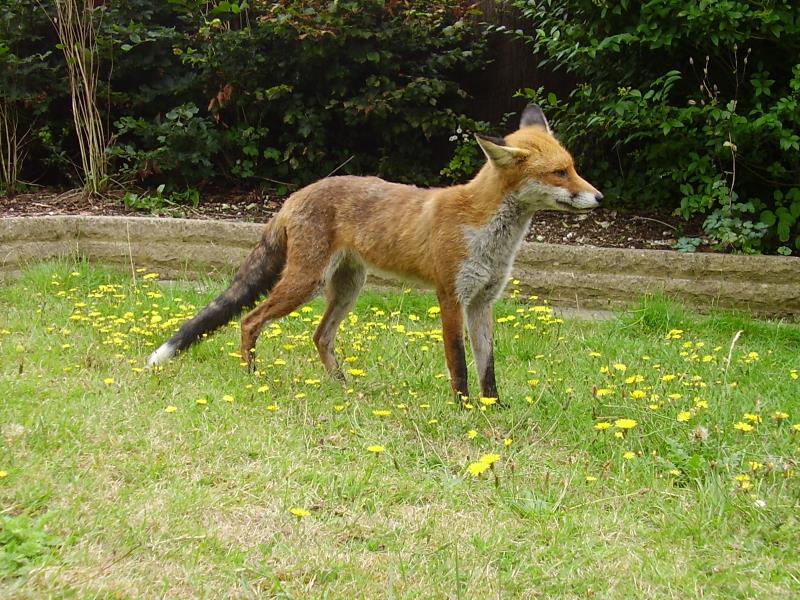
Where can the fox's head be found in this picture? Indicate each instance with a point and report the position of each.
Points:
(536, 168)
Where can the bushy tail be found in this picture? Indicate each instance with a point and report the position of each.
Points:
(256, 277)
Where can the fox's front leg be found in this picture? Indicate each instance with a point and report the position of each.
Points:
(479, 324)
(453, 334)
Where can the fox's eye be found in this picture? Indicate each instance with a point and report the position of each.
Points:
(560, 173)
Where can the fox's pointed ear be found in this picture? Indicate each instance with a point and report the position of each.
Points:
(533, 116)
(498, 152)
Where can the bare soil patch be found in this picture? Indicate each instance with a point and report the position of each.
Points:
(602, 227)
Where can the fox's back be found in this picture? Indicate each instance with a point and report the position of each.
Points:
(388, 225)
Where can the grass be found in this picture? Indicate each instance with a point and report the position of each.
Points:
(647, 456)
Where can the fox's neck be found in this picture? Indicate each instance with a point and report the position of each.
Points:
(500, 212)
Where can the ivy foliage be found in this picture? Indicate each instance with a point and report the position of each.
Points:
(264, 93)
(686, 105)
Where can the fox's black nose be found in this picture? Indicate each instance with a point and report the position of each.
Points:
(598, 196)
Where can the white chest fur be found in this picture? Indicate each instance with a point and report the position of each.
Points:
(491, 250)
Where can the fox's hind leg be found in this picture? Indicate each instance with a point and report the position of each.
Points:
(344, 284)
(301, 280)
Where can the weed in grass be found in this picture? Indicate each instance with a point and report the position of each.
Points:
(648, 456)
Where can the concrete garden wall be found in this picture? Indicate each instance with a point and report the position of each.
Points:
(569, 276)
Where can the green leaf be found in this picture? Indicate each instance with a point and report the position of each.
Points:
(783, 230)
(768, 218)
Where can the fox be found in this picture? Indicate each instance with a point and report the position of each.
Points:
(461, 240)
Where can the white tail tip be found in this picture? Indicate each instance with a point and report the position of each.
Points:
(162, 355)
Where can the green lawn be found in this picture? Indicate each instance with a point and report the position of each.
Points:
(646, 456)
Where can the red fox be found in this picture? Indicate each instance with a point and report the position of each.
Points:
(461, 240)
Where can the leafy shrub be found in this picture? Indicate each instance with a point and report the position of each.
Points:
(34, 114)
(251, 91)
(686, 105)
(291, 91)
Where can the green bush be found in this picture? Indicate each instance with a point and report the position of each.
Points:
(687, 105)
(288, 92)
(34, 101)
(252, 92)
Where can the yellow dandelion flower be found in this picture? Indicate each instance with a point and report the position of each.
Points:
(602, 425)
(108, 381)
(603, 392)
(743, 427)
(433, 421)
(634, 379)
(489, 459)
(752, 418)
(227, 398)
(667, 378)
(754, 465)
(171, 409)
(201, 401)
(619, 435)
(382, 413)
(590, 478)
(3, 474)
(796, 427)
(684, 416)
(595, 354)
(338, 407)
(472, 434)
(488, 401)
(477, 468)
(638, 394)
(629, 455)
(794, 374)
(675, 472)
(375, 449)
(433, 311)
(357, 372)
(299, 512)
(624, 423)
(507, 442)
(779, 415)
(273, 407)
(263, 388)
(621, 367)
